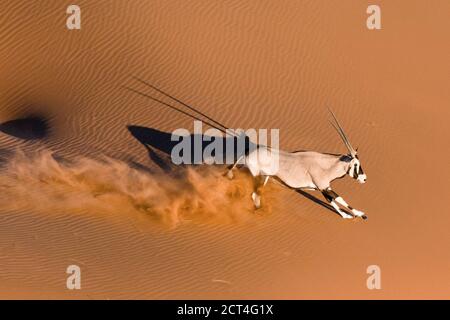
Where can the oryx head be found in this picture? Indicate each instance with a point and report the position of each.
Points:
(354, 168)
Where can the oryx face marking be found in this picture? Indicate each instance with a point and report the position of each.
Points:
(355, 170)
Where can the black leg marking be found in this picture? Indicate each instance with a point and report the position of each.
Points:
(329, 194)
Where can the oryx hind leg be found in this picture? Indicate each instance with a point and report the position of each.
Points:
(230, 174)
(257, 185)
(256, 197)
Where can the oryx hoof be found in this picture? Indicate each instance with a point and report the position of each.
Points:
(358, 213)
(256, 200)
(346, 215)
(230, 174)
(364, 217)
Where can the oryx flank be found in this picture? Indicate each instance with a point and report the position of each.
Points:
(300, 170)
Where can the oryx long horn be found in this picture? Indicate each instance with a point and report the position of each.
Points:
(211, 120)
(226, 131)
(339, 129)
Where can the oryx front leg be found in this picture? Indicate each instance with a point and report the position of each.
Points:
(357, 213)
(343, 203)
(331, 197)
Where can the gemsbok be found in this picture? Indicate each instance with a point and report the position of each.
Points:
(299, 170)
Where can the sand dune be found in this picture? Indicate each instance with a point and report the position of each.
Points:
(77, 187)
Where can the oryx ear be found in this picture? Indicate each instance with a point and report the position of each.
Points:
(346, 158)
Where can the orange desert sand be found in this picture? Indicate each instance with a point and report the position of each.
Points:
(78, 188)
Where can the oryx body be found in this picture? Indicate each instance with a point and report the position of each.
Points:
(298, 170)
(306, 170)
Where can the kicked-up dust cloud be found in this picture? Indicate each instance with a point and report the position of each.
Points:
(201, 193)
